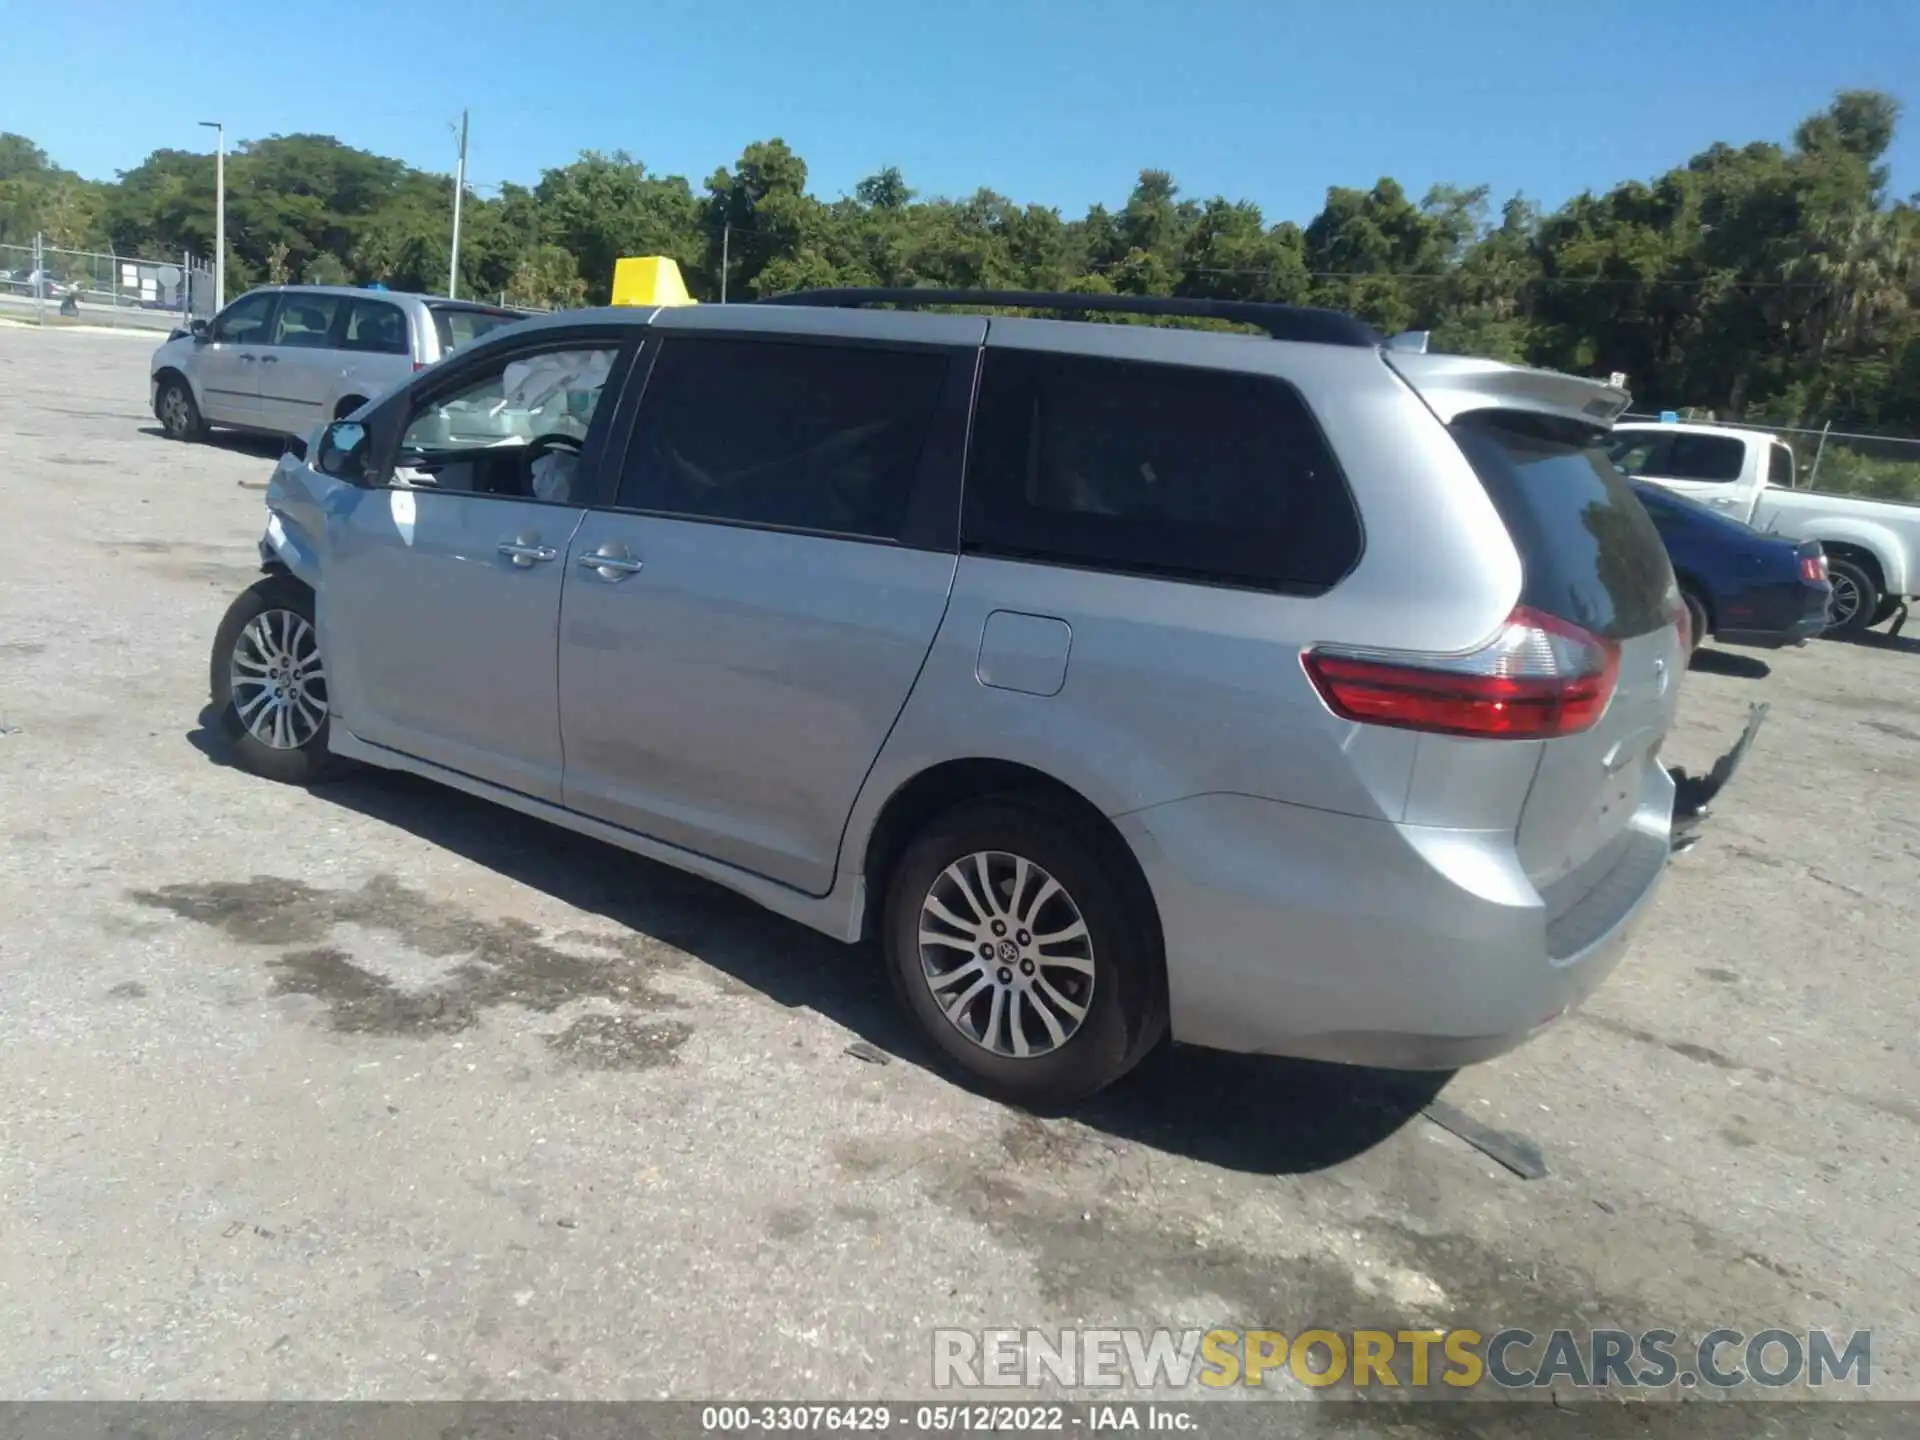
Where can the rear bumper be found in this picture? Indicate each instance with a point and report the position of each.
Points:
(1790, 615)
(1299, 932)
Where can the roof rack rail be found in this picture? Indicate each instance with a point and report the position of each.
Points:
(1282, 322)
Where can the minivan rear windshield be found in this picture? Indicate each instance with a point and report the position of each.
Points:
(1588, 549)
(463, 324)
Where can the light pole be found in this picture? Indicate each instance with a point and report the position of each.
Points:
(459, 188)
(219, 213)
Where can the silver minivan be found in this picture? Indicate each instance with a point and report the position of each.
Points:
(1296, 692)
(284, 358)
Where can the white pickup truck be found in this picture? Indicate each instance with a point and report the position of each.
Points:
(1873, 546)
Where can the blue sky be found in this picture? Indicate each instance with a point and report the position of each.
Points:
(1055, 101)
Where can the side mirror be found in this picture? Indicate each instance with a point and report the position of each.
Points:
(200, 330)
(343, 452)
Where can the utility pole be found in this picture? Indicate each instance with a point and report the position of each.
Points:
(459, 187)
(219, 213)
(726, 243)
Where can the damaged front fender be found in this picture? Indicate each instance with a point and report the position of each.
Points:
(299, 499)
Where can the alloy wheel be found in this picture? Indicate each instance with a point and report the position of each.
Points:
(173, 411)
(1845, 602)
(277, 680)
(1006, 954)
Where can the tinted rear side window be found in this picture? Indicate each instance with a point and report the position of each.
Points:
(803, 437)
(376, 327)
(1780, 467)
(1589, 550)
(1701, 457)
(459, 325)
(1155, 469)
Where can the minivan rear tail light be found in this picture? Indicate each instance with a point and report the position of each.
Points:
(1538, 677)
(1813, 569)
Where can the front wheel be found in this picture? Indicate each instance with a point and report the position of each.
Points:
(179, 416)
(1856, 599)
(269, 683)
(1014, 944)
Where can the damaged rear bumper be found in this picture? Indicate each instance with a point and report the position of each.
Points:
(1694, 794)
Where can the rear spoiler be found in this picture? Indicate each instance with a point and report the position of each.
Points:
(1453, 385)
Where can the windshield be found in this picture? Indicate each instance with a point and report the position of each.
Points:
(462, 325)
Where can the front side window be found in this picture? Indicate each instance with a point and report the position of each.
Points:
(245, 321)
(305, 321)
(1156, 469)
(798, 436)
(517, 430)
(1637, 454)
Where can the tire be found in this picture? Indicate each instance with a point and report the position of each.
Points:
(1697, 622)
(1862, 601)
(176, 411)
(278, 741)
(1117, 958)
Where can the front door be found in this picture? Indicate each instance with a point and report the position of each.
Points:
(743, 624)
(441, 591)
(300, 366)
(227, 367)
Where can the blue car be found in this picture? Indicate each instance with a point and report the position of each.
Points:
(1742, 586)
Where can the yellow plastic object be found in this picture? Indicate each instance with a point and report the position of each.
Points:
(649, 280)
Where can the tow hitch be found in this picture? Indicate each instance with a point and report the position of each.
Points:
(1695, 793)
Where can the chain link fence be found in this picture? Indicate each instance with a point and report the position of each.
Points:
(1873, 465)
(46, 285)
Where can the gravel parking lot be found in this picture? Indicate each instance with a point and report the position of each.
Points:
(379, 1092)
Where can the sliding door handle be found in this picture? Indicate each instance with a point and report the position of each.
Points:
(525, 552)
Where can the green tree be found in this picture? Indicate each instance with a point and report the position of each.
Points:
(1777, 281)
(605, 206)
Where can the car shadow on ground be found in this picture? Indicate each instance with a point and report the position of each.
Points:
(1246, 1113)
(1876, 640)
(264, 447)
(1724, 662)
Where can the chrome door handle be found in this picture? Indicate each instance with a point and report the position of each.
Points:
(269, 359)
(247, 358)
(524, 552)
(609, 564)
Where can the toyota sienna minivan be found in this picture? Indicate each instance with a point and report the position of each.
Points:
(1295, 692)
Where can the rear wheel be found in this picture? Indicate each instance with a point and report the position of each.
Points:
(1696, 620)
(179, 416)
(1856, 598)
(1020, 952)
(269, 683)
